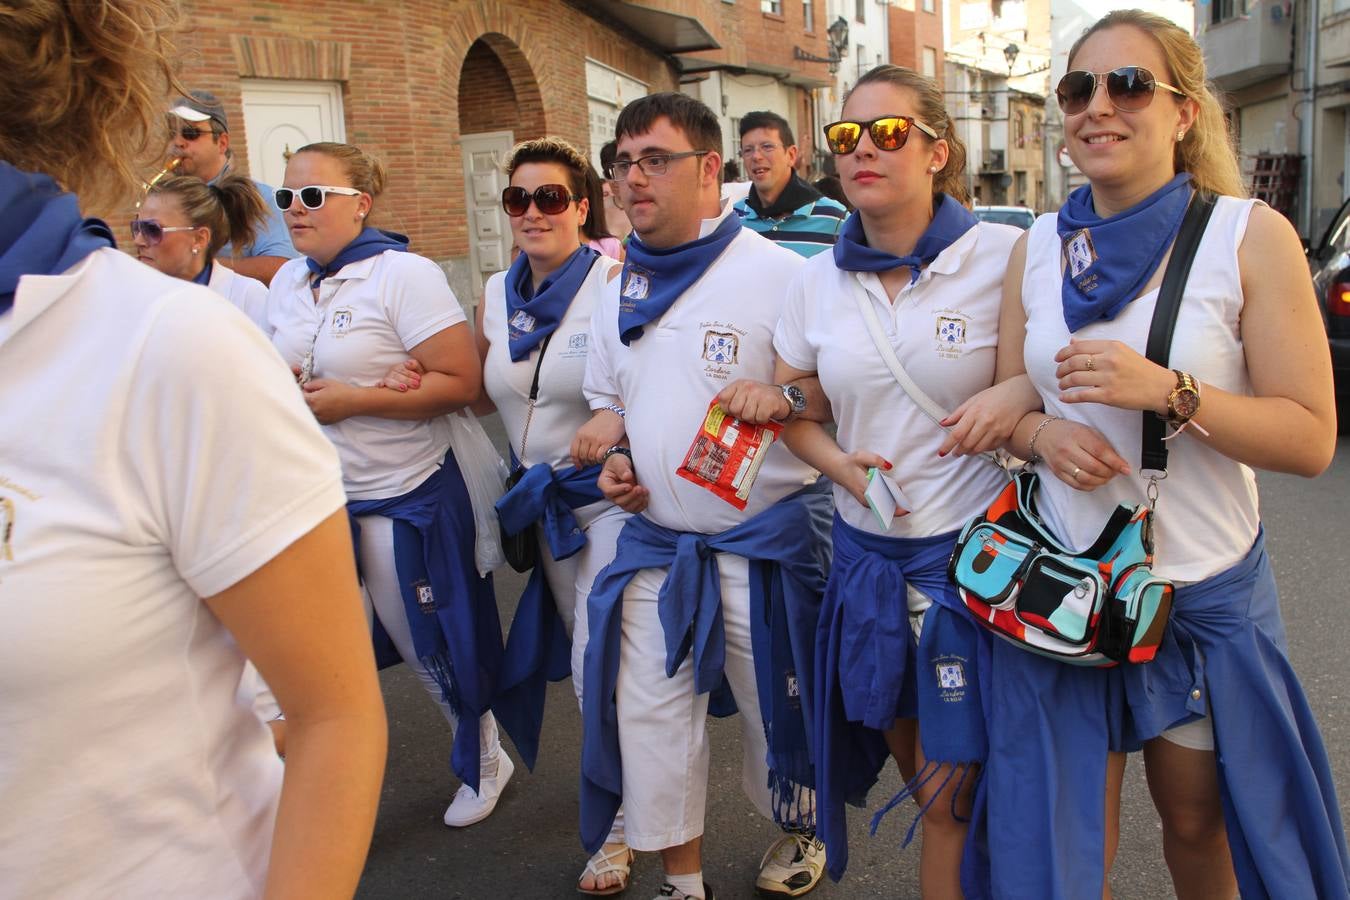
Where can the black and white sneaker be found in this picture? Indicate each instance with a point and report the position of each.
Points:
(671, 892)
(792, 866)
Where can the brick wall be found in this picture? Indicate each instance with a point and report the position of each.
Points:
(409, 70)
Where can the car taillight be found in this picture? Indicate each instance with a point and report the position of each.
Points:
(1338, 297)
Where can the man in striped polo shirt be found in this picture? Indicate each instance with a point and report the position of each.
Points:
(781, 205)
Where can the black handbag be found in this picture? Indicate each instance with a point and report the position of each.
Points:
(521, 549)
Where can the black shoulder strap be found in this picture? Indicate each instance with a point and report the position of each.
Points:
(539, 364)
(1154, 454)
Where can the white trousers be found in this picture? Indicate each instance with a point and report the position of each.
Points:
(384, 599)
(663, 724)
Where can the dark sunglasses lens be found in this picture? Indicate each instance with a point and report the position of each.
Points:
(147, 229)
(515, 200)
(1075, 91)
(890, 133)
(1130, 88)
(284, 198)
(842, 137)
(312, 197)
(551, 199)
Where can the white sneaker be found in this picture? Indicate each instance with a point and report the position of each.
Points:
(469, 807)
(792, 866)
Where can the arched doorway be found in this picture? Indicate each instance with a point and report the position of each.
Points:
(499, 104)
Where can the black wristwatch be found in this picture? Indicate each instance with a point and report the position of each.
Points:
(617, 449)
(796, 400)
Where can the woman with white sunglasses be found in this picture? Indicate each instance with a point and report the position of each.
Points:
(1234, 761)
(353, 307)
(184, 222)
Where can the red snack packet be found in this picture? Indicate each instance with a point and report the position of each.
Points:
(726, 455)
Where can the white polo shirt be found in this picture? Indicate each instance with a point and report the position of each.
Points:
(154, 451)
(561, 407)
(944, 329)
(368, 317)
(249, 294)
(667, 378)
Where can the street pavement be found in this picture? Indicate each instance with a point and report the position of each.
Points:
(529, 847)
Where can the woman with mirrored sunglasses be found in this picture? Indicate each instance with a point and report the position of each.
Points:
(171, 510)
(914, 256)
(353, 307)
(1232, 754)
(184, 222)
(533, 338)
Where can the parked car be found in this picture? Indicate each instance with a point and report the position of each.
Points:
(1329, 261)
(1006, 215)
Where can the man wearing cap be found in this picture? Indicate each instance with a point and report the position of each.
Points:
(201, 138)
(781, 205)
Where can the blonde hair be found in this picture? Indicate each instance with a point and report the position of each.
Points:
(1208, 151)
(364, 171)
(231, 208)
(82, 91)
(951, 178)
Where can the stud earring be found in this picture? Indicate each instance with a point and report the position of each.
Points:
(196, 250)
(932, 170)
(1180, 135)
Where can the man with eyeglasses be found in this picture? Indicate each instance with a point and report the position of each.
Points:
(781, 205)
(708, 605)
(199, 134)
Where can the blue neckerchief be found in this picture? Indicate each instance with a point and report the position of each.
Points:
(653, 279)
(950, 221)
(870, 671)
(1041, 803)
(538, 649)
(41, 232)
(532, 315)
(788, 548)
(451, 611)
(204, 276)
(1107, 261)
(370, 242)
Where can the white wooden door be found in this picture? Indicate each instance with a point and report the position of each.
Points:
(489, 231)
(280, 117)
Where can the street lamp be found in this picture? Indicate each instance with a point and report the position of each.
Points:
(838, 37)
(1010, 54)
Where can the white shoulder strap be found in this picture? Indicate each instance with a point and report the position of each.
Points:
(922, 400)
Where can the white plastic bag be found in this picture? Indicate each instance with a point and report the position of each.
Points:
(484, 474)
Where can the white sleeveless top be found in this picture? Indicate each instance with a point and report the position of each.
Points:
(1207, 512)
(561, 407)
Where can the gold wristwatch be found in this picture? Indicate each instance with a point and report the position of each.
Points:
(1184, 401)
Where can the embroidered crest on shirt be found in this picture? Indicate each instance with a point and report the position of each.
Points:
(721, 347)
(342, 321)
(576, 346)
(522, 321)
(949, 333)
(1080, 252)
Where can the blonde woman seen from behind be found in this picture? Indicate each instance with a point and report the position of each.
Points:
(172, 510)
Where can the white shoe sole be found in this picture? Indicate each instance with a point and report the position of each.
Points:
(505, 769)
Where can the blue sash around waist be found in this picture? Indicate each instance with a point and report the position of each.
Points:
(451, 611)
(538, 649)
(788, 549)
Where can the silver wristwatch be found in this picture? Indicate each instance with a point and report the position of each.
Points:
(795, 398)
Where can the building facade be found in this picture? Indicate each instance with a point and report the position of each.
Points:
(439, 91)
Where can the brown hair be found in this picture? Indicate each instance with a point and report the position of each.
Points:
(692, 117)
(551, 150)
(1208, 152)
(231, 208)
(951, 179)
(595, 227)
(82, 91)
(364, 171)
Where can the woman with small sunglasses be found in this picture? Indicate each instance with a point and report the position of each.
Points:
(533, 337)
(923, 265)
(356, 304)
(1234, 761)
(170, 509)
(182, 224)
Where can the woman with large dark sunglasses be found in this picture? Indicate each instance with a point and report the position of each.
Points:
(354, 306)
(170, 510)
(533, 338)
(1234, 761)
(915, 258)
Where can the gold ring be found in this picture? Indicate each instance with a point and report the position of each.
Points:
(1091, 364)
(1076, 470)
